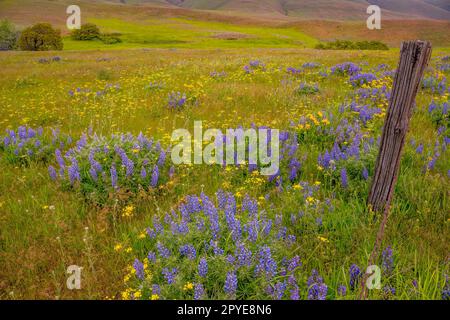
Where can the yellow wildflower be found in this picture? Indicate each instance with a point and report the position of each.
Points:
(188, 286)
(128, 211)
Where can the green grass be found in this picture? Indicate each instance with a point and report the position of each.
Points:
(185, 33)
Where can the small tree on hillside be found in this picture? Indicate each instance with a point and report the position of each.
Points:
(88, 31)
(40, 37)
(8, 35)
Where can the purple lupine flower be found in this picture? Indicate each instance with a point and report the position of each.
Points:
(279, 289)
(291, 238)
(22, 132)
(161, 158)
(267, 265)
(389, 290)
(346, 68)
(143, 173)
(222, 198)
(282, 233)
(59, 158)
(365, 173)
(295, 294)
(446, 290)
(419, 149)
(203, 267)
(189, 251)
(432, 162)
(355, 275)
(82, 142)
(317, 289)
(342, 290)
(169, 275)
(139, 268)
(74, 171)
(156, 289)
(211, 211)
(93, 174)
(217, 251)
(294, 263)
(318, 292)
(231, 283)
(155, 176)
(387, 260)
(151, 233)
(177, 100)
(267, 227)
(52, 172)
(162, 250)
(129, 167)
(360, 79)
(252, 230)
(250, 205)
(151, 256)
(230, 259)
(113, 176)
(243, 255)
(344, 178)
(193, 204)
(228, 204)
(199, 291)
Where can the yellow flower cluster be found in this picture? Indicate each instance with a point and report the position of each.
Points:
(188, 286)
(314, 121)
(128, 211)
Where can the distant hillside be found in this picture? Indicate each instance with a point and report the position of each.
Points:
(317, 9)
(156, 23)
(420, 8)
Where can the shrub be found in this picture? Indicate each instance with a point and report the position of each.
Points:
(88, 31)
(346, 68)
(100, 167)
(8, 36)
(104, 74)
(306, 88)
(350, 45)
(40, 37)
(439, 114)
(26, 145)
(360, 79)
(110, 38)
(218, 251)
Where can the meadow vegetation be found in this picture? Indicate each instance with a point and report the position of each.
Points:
(87, 177)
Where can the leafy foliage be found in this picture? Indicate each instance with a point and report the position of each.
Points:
(88, 31)
(8, 36)
(352, 45)
(40, 37)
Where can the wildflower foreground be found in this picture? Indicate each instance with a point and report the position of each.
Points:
(88, 178)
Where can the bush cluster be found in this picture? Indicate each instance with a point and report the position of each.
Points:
(352, 45)
(40, 37)
(8, 36)
(90, 31)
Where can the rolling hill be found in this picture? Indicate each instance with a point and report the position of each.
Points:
(316, 9)
(291, 23)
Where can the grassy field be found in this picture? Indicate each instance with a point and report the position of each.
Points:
(184, 33)
(48, 225)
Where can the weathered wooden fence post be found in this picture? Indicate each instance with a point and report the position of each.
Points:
(414, 57)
